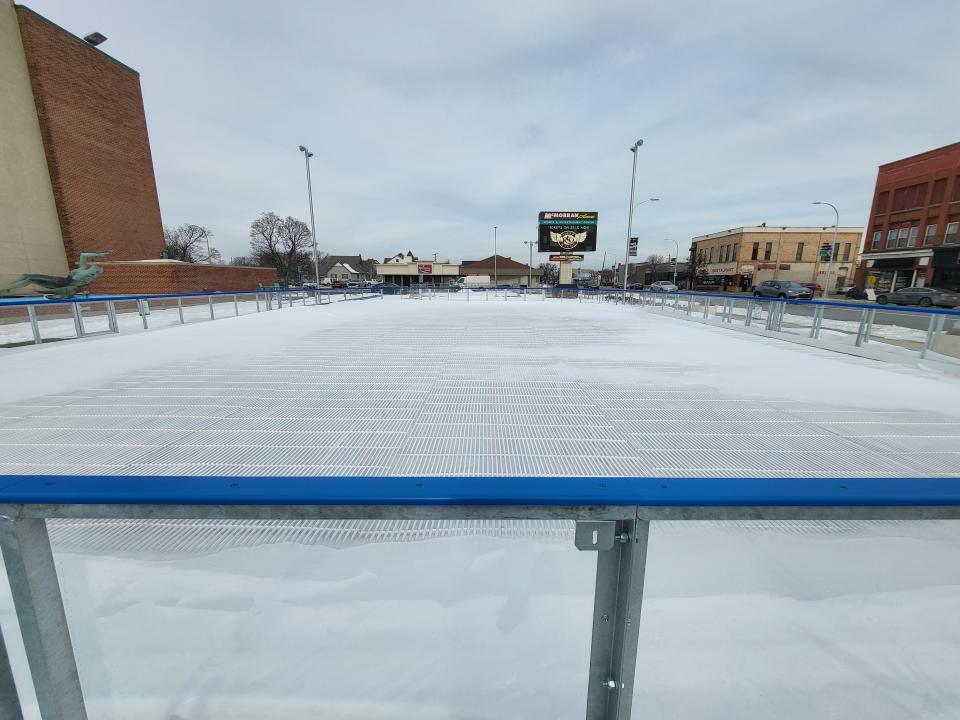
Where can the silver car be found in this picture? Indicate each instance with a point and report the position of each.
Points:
(663, 286)
(922, 296)
(784, 289)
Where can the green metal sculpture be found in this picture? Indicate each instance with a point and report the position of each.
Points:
(62, 287)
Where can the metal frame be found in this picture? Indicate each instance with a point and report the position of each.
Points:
(612, 514)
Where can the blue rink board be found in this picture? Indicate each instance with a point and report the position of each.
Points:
(544, 491)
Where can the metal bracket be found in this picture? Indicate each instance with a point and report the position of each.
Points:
(596, 536)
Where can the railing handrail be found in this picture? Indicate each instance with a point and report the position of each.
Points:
(480, 490)
(212, 293)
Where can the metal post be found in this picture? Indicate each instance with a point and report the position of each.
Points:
(495, 278)
(817, 320)
(112, 317)
(210, 303)
(934, 329)
(43, 623)
(141, 306)
(689, 305)
(313, 230)
(34, 325)
(633, 181)
(236, 308)
(706, 308)
(616, 622)
(256, 298)
(77, 321)
(9, 699)
(749, 316)
(861, 328)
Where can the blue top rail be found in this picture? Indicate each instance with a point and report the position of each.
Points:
(607, 291)
(488, 491)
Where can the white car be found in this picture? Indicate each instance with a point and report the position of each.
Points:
(663, 286)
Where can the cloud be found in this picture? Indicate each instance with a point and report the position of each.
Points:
(432, 122)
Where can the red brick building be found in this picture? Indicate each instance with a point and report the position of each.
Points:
(89, 108)
(913, 232)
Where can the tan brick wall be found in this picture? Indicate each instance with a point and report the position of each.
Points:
(29, 227)
(131, 278)
(97, 149)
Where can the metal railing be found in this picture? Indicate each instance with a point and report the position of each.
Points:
(612, 516)
(39, 320)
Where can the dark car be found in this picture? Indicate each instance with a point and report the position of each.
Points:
(783, 289)
(855, 293)
(922, 296)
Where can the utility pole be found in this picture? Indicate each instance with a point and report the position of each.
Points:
(530, 244)
(836, 246)
(633, 180)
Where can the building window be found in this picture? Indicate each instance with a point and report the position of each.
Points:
(939, 190)
(892, 238)
(836, 251)
(955, 195)
(875, 242)
(950, 234)
(882, 200)
(846, 252)
(723, 253)
(912, 239)
(902, 237)
(799, 256)
(755, 253)
(709, 255)
(929, 234)
(767, 251)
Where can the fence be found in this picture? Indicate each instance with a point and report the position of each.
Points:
(612, 517)
(37, 320)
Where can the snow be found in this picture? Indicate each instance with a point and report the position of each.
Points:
(744, 620)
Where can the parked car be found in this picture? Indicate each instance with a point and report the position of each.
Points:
(663, 286)
(338, 284)
(922, 296)
(783, 289)
(635, 286)
(816, 288)
(855, 293)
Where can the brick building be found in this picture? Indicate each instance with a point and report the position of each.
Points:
(75, 167)
(742, 257)
(913, 235)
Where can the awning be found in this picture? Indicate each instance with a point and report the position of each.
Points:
(893, 263)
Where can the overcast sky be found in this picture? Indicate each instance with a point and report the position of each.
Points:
(432, 121)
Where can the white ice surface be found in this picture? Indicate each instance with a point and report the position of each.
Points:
(793, 621)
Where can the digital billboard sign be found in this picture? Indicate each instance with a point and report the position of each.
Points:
(566, 232)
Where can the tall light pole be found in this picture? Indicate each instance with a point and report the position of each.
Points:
(530, 244)
(494, 256)
(676, 257)
(626, 269)
(313, 228)
(836, 246)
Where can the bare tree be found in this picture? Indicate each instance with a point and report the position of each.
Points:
(549, 273)
(654, 263)
(189, 243)
(280, 243)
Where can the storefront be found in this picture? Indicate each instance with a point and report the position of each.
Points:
(946, 268)
(889, 274)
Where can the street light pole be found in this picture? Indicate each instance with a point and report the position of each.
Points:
(313, 229)
(530, 244)
(495, 256)
(676, 257)
(836, 246)
(633, 180)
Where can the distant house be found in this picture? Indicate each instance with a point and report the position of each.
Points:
(504, 272)
(407, 269)
(347, 267)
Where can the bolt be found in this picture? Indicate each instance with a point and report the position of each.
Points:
(604, 618)
(610, 684)
(623, 537)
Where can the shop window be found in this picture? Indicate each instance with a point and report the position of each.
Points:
(902, 235)
(912, 239)
(929, 234)
(875, 242)
(939, 190)
(891, 238)
(755, 252)
(767, 251)
(799, 256)
(846, 252)
(950, 234)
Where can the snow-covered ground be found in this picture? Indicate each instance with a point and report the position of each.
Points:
(787, 620)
